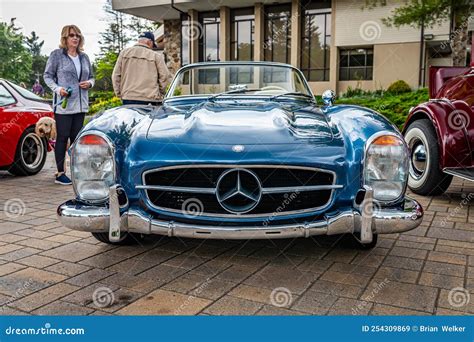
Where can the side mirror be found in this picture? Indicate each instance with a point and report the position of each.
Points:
(328, 97)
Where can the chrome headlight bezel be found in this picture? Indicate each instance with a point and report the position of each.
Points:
(404, 164)
(73, 173)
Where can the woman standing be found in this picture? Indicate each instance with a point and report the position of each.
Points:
(68, 68)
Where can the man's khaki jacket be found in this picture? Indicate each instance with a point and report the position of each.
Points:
(140, 74)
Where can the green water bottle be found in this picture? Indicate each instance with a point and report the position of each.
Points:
(69, 92)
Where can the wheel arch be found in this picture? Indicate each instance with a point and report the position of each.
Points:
(32, 126)
(21, 170)
(453, 144)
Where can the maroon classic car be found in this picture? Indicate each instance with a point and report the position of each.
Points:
(440, 132)
(22, 152)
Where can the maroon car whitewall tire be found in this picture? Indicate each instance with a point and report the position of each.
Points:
(425, 176)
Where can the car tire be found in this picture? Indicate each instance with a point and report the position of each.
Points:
(125, 239)
(30, 155)
(425, 176)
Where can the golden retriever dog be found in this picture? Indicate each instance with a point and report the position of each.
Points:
(46, 128)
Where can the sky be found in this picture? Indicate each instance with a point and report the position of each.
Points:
(47, 17)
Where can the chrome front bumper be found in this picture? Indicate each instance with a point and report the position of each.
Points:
(368, 219)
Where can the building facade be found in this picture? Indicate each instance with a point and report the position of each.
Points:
(337, 44)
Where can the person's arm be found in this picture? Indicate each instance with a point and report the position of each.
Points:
(117, 75)
(51, 72)
(164, 75)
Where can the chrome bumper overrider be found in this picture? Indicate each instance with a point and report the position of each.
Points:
(368, 219)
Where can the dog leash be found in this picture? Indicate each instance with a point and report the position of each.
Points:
(59, 103)
(63, 98)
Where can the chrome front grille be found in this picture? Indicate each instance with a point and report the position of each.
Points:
(265, 190)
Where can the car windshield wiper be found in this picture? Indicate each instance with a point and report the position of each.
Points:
(234, 91)
(292, 93)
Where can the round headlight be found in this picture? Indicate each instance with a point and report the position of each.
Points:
(93, 169)
(386, 167)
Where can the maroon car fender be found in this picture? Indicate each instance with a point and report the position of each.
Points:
(451, 129)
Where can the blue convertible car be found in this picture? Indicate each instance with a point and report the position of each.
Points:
(240, 150)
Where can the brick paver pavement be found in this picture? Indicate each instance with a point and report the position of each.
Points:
(48, 269)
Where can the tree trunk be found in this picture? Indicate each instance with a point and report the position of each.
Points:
(459, 42)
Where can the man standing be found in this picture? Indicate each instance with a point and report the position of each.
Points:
(140, 75)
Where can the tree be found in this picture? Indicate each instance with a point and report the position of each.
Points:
(139, 25)
(33, 43)
(38, 60)
(115, 36)
(16, 61)
(121, 29)
(428, 13)
(103, 71)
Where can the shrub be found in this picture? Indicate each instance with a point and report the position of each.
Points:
(358, 91)
(399, 87)
(353, 92)
(100, 95)
(103, 105)
(394, 107)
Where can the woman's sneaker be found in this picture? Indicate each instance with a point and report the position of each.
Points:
(62, 179)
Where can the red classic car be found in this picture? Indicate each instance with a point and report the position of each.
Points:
(22, 152)
(440, 132)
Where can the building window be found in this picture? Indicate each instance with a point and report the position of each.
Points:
(356, 64)
(209, 38)
(316, 40)
(277, 33)
(241, 75)
(242, 34)
(185, 39)
(209, 76)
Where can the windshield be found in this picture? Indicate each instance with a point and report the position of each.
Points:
(238, 80)
(25, 93)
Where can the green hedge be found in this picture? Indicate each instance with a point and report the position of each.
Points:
(399, 87)
(393, 107)
(101, 105)
(100, 95)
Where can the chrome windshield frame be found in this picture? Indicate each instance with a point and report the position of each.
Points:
(230, 63)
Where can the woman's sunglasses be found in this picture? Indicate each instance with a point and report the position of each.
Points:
(72, 35)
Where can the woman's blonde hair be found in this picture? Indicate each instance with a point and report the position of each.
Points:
(65, 35)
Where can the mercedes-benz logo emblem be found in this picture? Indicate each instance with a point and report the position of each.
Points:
(238, 190)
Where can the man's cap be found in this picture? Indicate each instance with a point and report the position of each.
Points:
(149, 35)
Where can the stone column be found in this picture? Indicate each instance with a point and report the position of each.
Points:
(172, 44)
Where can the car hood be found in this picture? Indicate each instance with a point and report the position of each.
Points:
(240, 123)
